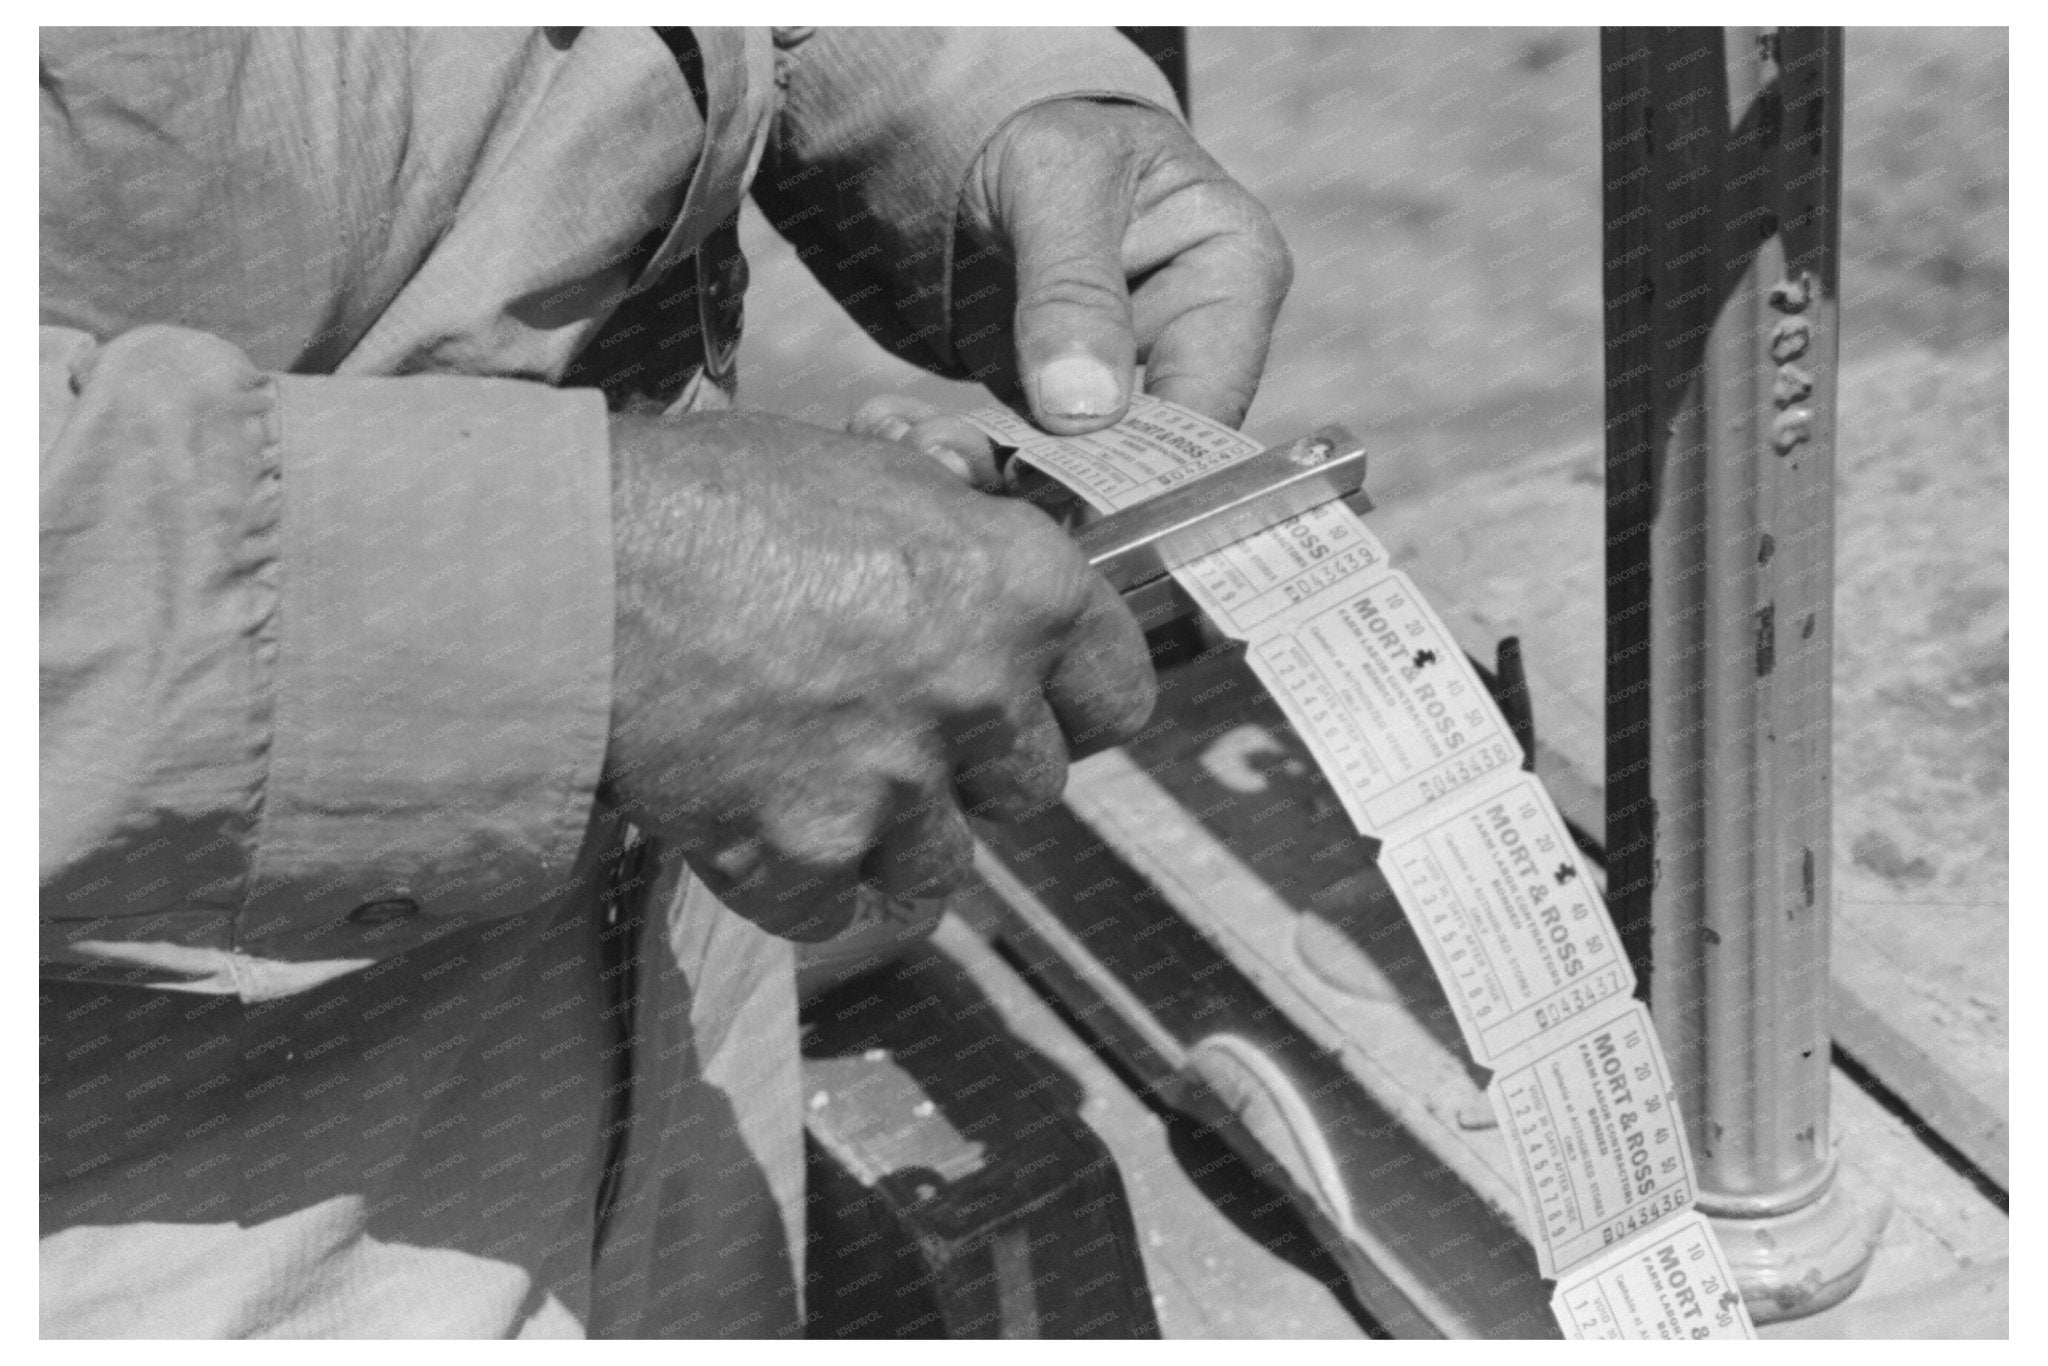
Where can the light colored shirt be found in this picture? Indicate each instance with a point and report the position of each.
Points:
(326, 660)
(326, 576)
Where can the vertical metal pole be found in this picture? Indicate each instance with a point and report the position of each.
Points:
(1168, 49)
(1722, 174)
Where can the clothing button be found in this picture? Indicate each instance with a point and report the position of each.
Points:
(385, 909)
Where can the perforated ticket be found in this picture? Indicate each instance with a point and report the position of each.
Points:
(1296, 566)
(1596, 1137)
(1240, 587)
(1156, 446)
(1502, 903)
(1480, 861)
(1383, 696)
(1672, 1285)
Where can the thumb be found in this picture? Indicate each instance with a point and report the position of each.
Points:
(1065, 216)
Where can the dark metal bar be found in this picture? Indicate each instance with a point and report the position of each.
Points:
(1722, 170)
(1168, 49)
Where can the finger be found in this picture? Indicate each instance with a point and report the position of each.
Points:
(958, 444)
(1065, 225)
(1015, 768)
(887, 417)
(1102, 689)
(952, 462)
(1206, 315)
(788, 899)
(926, 849)
(815, 832)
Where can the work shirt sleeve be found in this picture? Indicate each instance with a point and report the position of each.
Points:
(878, 130)
(326, 662)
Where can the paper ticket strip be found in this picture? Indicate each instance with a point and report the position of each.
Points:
(1480, 860)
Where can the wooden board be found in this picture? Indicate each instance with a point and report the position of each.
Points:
(1425, 1228)
(1218, 811)
(1217, 1270)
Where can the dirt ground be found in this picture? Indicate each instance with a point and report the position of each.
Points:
(1441, 192)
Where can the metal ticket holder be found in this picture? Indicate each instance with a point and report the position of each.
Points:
(1722, 174)
(1722, 186)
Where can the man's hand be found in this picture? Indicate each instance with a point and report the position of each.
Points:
(1129, 244)
(829, 648)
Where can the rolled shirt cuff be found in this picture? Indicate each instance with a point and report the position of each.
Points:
(444, 658)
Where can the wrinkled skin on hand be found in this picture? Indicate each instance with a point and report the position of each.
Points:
(830, 647)
(830, 650)
(1098, 234)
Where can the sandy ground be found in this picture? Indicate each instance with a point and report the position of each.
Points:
(1441, 192)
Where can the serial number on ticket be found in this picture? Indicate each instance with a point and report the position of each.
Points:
(1597, 1138)
(1513, 926)
(1287, 567)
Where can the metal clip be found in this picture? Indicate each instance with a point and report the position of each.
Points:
(1141, 544)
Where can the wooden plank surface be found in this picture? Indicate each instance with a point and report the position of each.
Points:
(1941, 1270)
(1422, 1226)
(1219, 806)
(1216, 1271)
